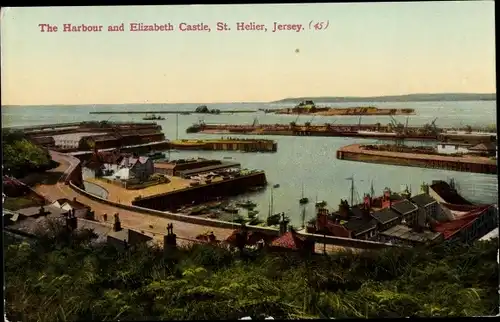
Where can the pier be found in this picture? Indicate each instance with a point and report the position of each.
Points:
(465, 163)
(226, 144)
(172, 112)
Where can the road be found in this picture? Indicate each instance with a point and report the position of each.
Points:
(129, 219)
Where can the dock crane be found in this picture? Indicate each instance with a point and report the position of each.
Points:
(255, 122)
(307, 124)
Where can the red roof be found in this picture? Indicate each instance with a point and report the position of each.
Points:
(288, 240)
(232, 238)
(450, 228)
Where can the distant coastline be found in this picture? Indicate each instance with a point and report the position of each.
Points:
(449, 97)
(446, 97)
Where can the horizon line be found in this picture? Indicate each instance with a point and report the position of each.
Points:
(252, 102)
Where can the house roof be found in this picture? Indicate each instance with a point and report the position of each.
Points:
(132, 161)
(35, 211)
(129, 236)
(357, 211)
(449, 195)
(423, 200)
(385, 215)
(483, 147)
(289, 240)
(404, 207)
(450, 228)
(72, 203)
(406, 233)
(360, 225)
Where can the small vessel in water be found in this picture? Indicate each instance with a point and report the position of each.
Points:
(276, 219)
(276, 185)
(153, 118)
(258, 188)
(321, 204)
(253, 214)
(303, 200)
(247, 204)
(155, 155)
(239, 219)
(230, 209)
(214, 215)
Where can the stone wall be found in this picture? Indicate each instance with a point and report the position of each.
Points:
(345, 242)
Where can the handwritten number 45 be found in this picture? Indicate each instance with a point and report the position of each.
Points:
(318, 26)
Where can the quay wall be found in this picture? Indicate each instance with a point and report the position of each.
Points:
(140, 148)
(202, 193)
(432, 162)
(227, 145)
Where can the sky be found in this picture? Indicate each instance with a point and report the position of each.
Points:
(368, 49)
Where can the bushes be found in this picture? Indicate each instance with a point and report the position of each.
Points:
(75, 280)
(21, 156)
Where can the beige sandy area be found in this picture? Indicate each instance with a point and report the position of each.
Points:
(125, 196)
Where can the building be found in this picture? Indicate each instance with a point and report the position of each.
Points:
(360, 228)
(402, 234)
(99, 142)
(407, 210)
(488, 149)
(125, 238)
(79, 209)
(46, 141)
(468, 225)
(386, 218)
(71, 141)
(427, 206)
(139, 168)
(173, 167)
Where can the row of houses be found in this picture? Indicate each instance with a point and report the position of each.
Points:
(85, 141)
(401, 218)
(73, 215)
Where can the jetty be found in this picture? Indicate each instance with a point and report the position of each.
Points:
(417, 157)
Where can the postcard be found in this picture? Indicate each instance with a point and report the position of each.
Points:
(157, 160)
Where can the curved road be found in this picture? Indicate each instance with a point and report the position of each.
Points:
(129, 219)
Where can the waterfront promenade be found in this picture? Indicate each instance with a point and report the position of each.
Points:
(129, 219)
(151, 225)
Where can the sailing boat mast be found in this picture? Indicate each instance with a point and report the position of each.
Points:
(271, 206)
(303, 217)
(372, 191)
(177, 126)
(352, 189)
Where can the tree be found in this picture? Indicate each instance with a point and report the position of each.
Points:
(21, 156)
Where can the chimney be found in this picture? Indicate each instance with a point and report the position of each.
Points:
(117, 225)
(344, 209)
(90, 214)
(74, 220)
(283, 225)
(367, 201)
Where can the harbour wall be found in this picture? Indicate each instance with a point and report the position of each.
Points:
(226, 145)
(203, 193)
(432, 162)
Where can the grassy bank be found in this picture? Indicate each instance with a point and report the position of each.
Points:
(63, 278)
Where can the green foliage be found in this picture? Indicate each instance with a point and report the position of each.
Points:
(21, 156)
(73, 279)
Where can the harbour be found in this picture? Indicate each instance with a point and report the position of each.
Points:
(297, 156)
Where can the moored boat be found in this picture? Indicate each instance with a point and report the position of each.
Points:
(321, 204)
(153, 118)
(247, 204)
